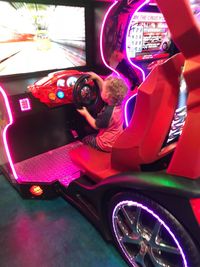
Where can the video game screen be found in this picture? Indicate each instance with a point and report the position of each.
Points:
(148, 37)
(39, 37)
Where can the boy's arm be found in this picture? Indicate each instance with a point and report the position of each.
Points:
(96, 77)
(84, 112)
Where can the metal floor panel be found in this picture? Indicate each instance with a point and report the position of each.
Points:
(54, 165)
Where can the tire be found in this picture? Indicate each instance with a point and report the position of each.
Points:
(147, 235)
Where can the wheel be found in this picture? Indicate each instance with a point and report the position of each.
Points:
(86, 93)
(147, 235)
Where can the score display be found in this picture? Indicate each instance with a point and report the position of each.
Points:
(148, 36)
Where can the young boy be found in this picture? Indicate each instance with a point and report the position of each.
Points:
(109, 121)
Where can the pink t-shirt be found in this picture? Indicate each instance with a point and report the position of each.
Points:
(110, 124)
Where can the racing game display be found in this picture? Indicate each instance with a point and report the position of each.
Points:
(38, 37)
(148, 37)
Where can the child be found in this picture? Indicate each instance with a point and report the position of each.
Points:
(109, 121)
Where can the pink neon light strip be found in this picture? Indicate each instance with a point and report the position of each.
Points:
(134, 65)
(137, 67)
(5, 132)
(126, 109)
(101, 39)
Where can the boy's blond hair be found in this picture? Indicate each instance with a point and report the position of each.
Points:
(117, 89)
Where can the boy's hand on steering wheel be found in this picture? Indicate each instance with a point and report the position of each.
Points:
(97, 78)
(93, 75)
(83, 111)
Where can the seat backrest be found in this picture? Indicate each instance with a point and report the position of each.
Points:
(142, 141)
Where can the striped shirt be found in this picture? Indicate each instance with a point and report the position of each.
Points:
(110, 124)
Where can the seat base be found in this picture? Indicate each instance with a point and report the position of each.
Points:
(94, 163)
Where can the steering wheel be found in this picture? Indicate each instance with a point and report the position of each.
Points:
(86, 93)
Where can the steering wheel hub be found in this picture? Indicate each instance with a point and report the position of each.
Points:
(87, 93)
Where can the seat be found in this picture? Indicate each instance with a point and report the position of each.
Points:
(142, 141)
(96, 164)
(188, 149)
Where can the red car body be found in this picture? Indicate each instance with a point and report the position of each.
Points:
(47, 89)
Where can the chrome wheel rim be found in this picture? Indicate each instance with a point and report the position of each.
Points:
(144, 238)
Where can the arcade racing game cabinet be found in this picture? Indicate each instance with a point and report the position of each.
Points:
(134, 195)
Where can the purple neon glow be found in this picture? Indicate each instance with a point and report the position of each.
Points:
(136, 204)
(101, 39)
(5, 132)
(128, 30)
(126, 109)
(25, 104)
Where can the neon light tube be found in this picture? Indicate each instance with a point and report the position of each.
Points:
(134, 65)
(101, 39)
(126, 109)
(5, 132)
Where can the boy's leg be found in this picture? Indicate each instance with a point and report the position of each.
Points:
(91, 141)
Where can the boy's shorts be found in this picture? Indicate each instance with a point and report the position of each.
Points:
(91, 141)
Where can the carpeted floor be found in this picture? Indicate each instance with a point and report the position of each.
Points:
(49, 233)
